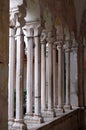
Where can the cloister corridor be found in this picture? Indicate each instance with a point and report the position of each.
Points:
(43, 65)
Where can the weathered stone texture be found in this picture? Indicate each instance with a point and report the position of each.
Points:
(4, 35)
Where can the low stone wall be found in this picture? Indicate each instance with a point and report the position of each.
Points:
(68, 121)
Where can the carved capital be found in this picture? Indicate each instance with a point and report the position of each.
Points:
(68, 42)
(12, 23)
(37, 30)
(50, 37)
(73, 40)
(43, 37)
(17, 13)
(67, 46)
(74, 43)
(19, 20)
(28, 31)
(59, 44)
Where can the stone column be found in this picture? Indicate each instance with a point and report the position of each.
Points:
(19, 123)
(50, 75)
(37, 75)
(43, 71)
(11, 80)
(67, 58)
(74, 73)
(29, 78)
(60, 76)
(54, 75)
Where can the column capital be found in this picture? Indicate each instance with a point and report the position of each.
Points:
(12, 22)
(60, 40)
(59, 44)
(17, 15)
(55, 46)
(28, 31)
(74, 43)
(37, 29)
(67, 45)
(12, 32)
(50, 37)
(20, 22)
(43, 37)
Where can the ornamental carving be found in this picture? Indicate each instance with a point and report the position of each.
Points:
(43, 36)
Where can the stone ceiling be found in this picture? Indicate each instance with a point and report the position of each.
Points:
(71, 13)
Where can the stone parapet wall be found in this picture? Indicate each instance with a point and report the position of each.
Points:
(69, 121)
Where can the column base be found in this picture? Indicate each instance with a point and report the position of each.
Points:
(19, 125)
(37, 119)
(28, 118)
(67, 107)
(48, 114)
(59, 111)
(10, 124)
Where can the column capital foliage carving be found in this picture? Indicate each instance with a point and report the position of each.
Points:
(43, 37)
(59, 37)
(74, 42)
(68, 42)
(37, 30)
(50, 36)
(59, 44)
(28, 31)
(17, 15)
(12, 23)
(67, 45)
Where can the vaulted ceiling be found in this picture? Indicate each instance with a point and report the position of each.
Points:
(70, 12)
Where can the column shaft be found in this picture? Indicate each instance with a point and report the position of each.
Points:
(37, 78)
(60, 77)
(67, 77)
(43, 76)
(50, 76)
(19, 74)
(29, 81)
(54, 75)
(11, 81)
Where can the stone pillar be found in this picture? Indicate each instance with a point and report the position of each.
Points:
(54, 75)
(74, 73)
(67, 58)
(29, 78)
(60, 89)
(60, 76)
(11, 79)
(37, 75)
(43, 71)
(50, 74)
(19, 123)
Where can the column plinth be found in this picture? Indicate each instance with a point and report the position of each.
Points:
(19, 125)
